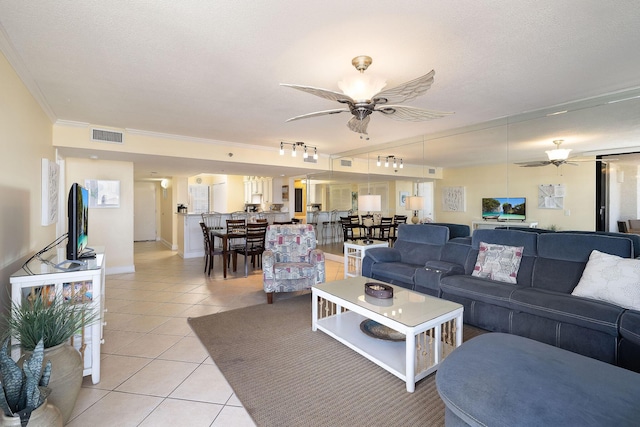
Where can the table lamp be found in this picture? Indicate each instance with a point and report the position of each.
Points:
(415, 203)
(369, 203)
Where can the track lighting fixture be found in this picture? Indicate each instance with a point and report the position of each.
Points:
(394, 161)
(304, 147)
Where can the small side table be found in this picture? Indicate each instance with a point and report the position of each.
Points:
(354, 253)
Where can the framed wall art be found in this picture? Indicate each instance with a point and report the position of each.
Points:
(453, 199)
(103, 194)
(50, 185)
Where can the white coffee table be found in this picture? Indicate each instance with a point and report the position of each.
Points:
(354, 253)
(432, 326)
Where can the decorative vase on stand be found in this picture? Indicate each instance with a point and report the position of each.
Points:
(66, 377)
(46, 415)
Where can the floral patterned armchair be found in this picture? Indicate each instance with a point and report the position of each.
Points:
(291, 261)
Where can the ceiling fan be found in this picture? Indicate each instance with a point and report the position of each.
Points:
(558, 156)
(363, 96)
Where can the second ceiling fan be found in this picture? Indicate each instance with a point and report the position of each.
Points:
(362, 96)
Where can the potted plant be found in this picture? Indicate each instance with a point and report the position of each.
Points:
(24, 390)
(54, 321)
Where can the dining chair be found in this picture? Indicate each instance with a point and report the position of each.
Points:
(210, 250)
(254, 244)
(384, 228)
(235, 226)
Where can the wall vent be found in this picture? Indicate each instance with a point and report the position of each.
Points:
(310, 159)
(345, 163)
(102, 135)
(432, 171)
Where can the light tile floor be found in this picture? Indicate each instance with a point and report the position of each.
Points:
(154, 371)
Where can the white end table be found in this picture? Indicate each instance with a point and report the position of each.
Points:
(354, 253)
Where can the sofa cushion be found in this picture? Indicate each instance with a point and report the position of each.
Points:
(498, 262)
(566, 308)
(396, 273)
(563, 256)
(418, 244)
(612, 279)
(479, 289)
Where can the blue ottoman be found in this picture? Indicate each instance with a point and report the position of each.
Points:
(499, 379)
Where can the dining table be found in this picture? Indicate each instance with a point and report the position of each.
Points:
(225, 235)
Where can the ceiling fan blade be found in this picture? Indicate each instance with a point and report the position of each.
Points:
(406, 91)
(534, 164)
(322, 93)
(319, 113)
(359, 126)
(411, 114)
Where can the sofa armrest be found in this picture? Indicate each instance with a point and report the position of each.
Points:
(427, 279)
(376, 255)
(384, 254)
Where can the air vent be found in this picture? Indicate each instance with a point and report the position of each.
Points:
(345, 163)
(101, 135)
(432, 171)
(310, 159)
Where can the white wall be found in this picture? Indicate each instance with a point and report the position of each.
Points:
(25, 139)
(514, 181)
(111, 228)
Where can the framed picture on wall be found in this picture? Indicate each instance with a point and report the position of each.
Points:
(285, 193)
(403, 198)
(103, 194)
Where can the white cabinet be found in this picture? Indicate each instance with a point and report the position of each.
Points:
(190, 238)
(354, 253)
(475, 225)
(76, 283)
(267, 190)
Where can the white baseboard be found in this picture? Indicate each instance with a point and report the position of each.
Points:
(120, 270)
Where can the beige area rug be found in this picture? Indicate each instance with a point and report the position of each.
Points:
(287, 375)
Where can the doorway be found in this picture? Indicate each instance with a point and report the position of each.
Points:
(144, 211)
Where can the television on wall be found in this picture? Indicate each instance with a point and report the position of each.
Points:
(504, 208)
(78, 215)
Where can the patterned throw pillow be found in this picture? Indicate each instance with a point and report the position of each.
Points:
(498, 262)
(611, 278)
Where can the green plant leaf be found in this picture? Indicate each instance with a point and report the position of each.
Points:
(11, 376)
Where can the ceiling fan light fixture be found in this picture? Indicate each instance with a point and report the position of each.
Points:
(558, 153)
(361, 88)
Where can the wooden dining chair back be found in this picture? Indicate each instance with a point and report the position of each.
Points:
(210, 250)
(385, 227)
(254, 245)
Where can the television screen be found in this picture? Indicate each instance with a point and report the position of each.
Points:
(504, 208)
(78, 214)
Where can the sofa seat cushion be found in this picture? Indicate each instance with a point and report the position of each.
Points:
(630, 326)
(479, 289)
(293, 270)
(584, 312)
(506, 380)
(396, 273)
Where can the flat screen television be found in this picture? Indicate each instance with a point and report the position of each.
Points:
(78, 214)
(504, 208)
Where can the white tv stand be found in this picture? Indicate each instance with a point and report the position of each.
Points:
(82, 283)
(476, 225)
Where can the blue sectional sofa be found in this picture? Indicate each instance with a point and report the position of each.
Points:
(416, 244)
(539, 305)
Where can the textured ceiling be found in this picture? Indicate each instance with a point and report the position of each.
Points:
(211, 69)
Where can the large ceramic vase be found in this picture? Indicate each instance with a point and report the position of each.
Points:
(66, 377)
(47, 415)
